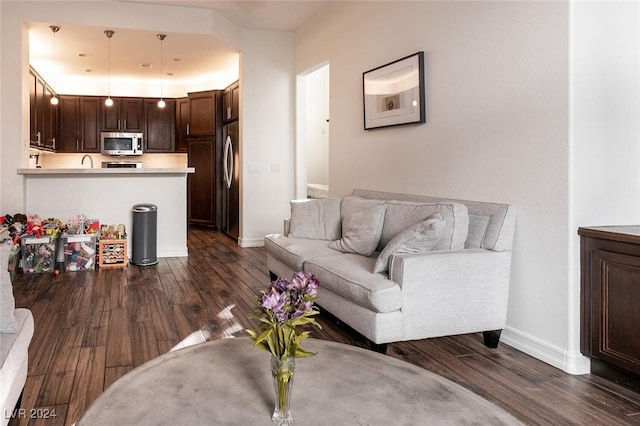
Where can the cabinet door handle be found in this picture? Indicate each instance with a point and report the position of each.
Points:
(118, 124)
(53, 143)
(187, 130)
(38, 138)
(125, 125)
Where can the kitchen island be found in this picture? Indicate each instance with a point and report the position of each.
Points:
(109, 195)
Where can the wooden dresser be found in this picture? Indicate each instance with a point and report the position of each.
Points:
(610, 301)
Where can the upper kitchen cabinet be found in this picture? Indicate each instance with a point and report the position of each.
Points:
(160, 130)
(79, 124)
(42, 115)
(125, 115)
(202, 113)
(231, 103)
(182, 124)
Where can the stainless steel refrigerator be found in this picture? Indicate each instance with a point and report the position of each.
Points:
(231, 180)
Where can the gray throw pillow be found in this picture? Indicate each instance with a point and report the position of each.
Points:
(418, 238)
(8, 323)
(361, 231)
(317, 219)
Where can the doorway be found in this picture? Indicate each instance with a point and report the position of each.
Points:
(312, 136)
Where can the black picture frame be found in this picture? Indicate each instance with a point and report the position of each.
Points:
(393, 94)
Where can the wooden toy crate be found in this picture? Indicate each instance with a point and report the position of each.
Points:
(112, 254)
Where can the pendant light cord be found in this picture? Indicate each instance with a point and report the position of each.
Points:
(109, 34)
(161, 37)
(54, 29)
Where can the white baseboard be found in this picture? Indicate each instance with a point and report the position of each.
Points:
(569, 362)
(251, 242)
(175, 252)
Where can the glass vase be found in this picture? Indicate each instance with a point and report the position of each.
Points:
(282, 372)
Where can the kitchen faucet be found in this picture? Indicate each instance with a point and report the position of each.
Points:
(90, 159)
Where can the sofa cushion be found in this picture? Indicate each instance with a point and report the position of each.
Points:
(402, 214)
(315, 219)
(8, 323)
(350, 276)
(418, 238)
(295, 251)
(361, 231)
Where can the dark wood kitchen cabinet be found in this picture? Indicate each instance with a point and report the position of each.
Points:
(204, 142)
(79, 124)
(201, 185)
(231, 103)
(202, 113)
(43, 116)
(160, 131)
(126, 114)
(182, 122)
(610, 296)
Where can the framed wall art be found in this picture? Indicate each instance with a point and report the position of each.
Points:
(394, 93)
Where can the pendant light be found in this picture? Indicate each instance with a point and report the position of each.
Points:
(161, 37)
(109, 102)
(54, 29)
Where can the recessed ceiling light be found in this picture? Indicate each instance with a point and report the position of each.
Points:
(84, 55)
(88, 70)
(169, 73)
(146, 65)
(177, 59)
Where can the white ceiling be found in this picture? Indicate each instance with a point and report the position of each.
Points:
(190, 62)
(273, 15)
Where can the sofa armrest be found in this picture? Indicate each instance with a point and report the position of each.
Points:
(460, 291)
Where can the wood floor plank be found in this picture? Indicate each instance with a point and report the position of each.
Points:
(61, 372)
(89, 382)
(143, 342)
(93, 327)
(119, 352)
(30, 398)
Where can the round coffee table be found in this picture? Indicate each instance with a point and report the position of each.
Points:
(229, 382)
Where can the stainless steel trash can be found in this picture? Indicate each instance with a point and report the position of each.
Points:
(144, 238)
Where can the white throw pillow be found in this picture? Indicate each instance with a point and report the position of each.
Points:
(361, 231)
(8, 323)
(418, 238)
(402, 214)
(317, 219)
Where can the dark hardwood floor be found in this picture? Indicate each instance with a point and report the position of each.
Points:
(93, 327)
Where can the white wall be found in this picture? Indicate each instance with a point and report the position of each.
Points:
(267, 90)
(605, 118)
(316, 126)
(497, 92)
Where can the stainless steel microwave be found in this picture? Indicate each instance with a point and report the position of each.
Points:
(121, 143)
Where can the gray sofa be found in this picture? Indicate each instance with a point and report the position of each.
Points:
(16, 331)
(398, 267)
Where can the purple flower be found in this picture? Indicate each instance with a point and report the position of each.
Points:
(274, 301)
(279, 306)
(282, 316)
(304, 308)
(280, 284)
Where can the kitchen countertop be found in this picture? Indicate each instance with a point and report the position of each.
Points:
(105, 171)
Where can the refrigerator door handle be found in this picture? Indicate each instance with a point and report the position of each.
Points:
(231, 163)
(228, 149)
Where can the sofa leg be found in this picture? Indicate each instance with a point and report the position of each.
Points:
(491, 338)
(380, 348)
(272, 276)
